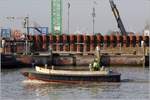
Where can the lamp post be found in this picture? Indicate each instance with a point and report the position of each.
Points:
(68, 17)
(26, 25)
(11, 19)
(93, 15)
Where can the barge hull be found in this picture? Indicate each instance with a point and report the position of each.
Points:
(71, 78)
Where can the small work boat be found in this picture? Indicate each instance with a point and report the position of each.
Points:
(51, 75)
(97, 73)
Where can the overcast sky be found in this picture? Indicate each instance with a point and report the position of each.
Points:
(134, 14)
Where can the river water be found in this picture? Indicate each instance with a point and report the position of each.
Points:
(134, 85)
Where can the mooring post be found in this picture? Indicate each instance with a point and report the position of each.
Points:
(98, 54)
(3, 45)
(45, 66)
(143, 46)
(26, 43)
(52, 67)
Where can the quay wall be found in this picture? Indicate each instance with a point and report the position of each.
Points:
(106, 60)
(116, 49)
(13, 61)
(72, 42)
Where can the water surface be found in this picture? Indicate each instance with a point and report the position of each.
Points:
(134, 85)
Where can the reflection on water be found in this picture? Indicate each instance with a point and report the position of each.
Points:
(134, 85)
(87, 90)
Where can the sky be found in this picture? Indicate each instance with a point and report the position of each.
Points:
(134, 14)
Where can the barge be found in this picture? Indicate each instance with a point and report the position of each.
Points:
(71, 76)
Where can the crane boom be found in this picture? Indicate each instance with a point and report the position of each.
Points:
(117, 16)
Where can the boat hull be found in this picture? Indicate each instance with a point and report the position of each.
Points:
(113, 77)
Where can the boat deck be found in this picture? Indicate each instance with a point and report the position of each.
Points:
(51, 75)
(72, 73)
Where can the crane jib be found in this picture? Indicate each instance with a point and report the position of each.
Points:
(117, 17)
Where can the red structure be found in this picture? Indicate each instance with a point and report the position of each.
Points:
(44, 41)
(79, 42)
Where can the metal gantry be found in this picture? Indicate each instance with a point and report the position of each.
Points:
(26, 26)
(56, 16)
(118, 18)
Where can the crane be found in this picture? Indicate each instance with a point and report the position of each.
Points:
(56, 16)
(117, 16)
